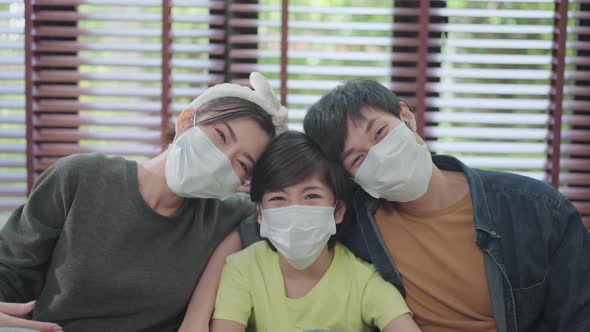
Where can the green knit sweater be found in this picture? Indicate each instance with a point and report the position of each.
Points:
(97, 258)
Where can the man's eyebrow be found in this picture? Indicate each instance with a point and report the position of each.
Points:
(370, 124)
(231, 131)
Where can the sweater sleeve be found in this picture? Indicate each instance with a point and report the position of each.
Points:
(29, 236)
(234, 210)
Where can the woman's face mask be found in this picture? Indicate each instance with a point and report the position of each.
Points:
(211, 161)
(300, 220)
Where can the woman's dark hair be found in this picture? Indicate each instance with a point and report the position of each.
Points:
(291, 158)
(230, 108)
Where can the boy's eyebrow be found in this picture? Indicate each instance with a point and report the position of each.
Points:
(312, 188)
(277, 191)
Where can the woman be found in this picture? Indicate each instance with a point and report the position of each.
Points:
(312, 283)
(108, 244)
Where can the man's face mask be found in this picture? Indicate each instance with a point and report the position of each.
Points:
(398, 168)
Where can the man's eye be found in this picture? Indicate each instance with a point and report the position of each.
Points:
(380, 131)
(355, 160)
(221, 135)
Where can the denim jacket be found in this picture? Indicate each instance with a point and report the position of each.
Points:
(536, 250)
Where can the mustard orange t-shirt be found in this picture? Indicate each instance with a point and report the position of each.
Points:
(441, 267)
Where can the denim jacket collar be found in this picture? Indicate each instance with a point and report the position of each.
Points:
(482, 217)
(487, 239)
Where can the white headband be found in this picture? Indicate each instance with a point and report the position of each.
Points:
(262, 95)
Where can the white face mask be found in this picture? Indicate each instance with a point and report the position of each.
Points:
(299, 232)
(195, 167)
(398, 168)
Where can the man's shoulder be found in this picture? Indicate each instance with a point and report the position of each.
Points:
(512, 186)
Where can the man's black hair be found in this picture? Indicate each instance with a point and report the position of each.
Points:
(326, 120)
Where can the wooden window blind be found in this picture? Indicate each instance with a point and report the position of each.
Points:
(501, 84)
(574, 158)
(13, 173)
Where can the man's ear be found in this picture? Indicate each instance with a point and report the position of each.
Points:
(259, 210)
(408, 116)
(339, 212)
(184, 121)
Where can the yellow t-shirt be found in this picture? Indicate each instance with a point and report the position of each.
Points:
(351, 296)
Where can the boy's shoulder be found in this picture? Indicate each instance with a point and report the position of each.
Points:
(255, 255)
(357, 269)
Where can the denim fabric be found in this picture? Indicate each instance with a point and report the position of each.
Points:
(536, 250)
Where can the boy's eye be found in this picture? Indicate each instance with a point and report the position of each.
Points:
(221, 135)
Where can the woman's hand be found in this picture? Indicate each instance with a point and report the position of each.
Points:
(15, 315)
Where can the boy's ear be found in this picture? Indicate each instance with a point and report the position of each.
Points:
(259, 210)
(339, 212)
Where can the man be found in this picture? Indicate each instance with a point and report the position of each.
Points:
(471, 250)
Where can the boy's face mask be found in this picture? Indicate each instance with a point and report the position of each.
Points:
(398, 168)
(299, 232)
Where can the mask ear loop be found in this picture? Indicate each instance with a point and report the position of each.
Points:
(194, 125)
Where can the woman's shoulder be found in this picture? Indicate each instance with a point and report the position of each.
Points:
(87, 162)
(238, 201)
(86, 166)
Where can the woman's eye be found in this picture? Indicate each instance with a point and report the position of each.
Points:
(312, 196)
(221, 135)
(276, 198)
(243, 165)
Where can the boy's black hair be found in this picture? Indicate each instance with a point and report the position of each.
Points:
(326, 120)
(291, 158)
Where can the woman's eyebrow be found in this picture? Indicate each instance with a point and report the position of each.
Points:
(231, 131)
(249, 157)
